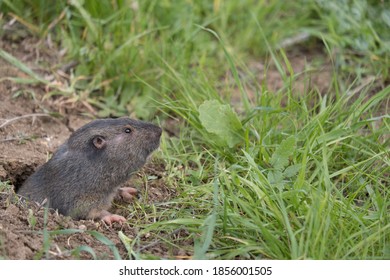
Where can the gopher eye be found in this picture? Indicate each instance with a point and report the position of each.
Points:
(127, 130)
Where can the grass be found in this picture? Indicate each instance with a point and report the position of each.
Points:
(278, 174)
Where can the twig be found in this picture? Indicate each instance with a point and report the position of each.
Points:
(15, 139)
(7, 122)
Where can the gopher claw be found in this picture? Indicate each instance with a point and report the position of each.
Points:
(128, 193)
(113, 218)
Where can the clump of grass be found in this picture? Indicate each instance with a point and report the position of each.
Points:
(300, 183)
(5, 186)
(117, 42)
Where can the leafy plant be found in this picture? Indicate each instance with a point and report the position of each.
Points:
(221, 121)
(280, 163)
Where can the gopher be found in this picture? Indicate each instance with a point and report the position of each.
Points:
(85, 173)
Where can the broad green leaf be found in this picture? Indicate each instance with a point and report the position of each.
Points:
(279, 159)
(275, 176)
(292, 170)
(222, 121)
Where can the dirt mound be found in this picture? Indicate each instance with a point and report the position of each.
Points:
(30, 233)
(33, 232)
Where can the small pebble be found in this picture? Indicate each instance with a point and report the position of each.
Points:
(82, 227)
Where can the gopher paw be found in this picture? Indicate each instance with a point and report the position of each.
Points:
(127, 193)
(113, 218)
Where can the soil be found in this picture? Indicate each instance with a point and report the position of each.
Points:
(29, 134)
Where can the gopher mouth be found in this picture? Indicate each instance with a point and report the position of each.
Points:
(146, 151)
(152, 149)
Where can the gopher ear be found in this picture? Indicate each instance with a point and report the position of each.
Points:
(99, 142)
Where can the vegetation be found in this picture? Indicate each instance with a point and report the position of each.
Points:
(260, 172)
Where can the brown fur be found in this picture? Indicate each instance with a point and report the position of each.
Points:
(85, 172)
